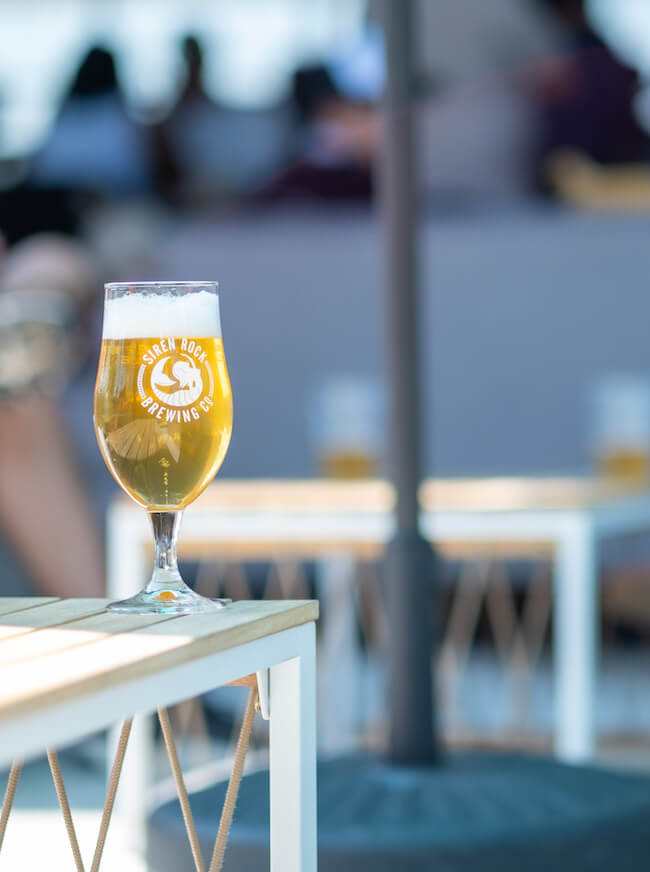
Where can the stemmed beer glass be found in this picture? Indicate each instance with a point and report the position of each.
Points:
(163, 416)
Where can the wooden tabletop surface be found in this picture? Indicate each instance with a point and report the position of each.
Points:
(248, 509)
(53, 649)
(525, 493)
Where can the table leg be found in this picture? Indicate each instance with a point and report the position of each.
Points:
(126, 574)
(339, 657)
(126, 568)
(576, 628)
(293, 759)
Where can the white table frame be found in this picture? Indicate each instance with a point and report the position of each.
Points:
(572, 533)
(290, 657)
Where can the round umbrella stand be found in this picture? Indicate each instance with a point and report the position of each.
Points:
(490, 812)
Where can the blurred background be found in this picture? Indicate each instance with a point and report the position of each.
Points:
(239, 141)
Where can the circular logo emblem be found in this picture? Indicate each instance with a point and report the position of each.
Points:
(176, 381)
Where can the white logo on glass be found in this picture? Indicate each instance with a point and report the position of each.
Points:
(176, 382)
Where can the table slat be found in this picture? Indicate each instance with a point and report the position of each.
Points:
(9, 604)
(118, 657)
(74, 634)
(47, 615)
(375, 495)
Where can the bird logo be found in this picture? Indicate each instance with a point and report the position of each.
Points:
(176, 381)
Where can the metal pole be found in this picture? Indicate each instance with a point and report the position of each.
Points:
(409, 558)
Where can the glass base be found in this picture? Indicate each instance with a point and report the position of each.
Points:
(166, 593)
(168, 602)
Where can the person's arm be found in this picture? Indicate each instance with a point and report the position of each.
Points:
(45, 514)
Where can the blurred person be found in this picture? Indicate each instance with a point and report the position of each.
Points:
(587, 96)
(205, 150)
(94, 153)
(469, 41)
(336, 138)
(508, 87)
(476, 116)
(177, 147)
(94, 145)
(335, 129)
(49, 532)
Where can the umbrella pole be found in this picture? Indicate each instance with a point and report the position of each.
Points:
(409, 558)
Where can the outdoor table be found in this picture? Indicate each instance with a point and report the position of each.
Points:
(566, 517)
(69, 667)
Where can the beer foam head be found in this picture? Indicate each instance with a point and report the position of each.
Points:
(144, 316)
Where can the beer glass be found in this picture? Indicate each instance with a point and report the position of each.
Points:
(163, 416)
(346, 423)
(621, 428)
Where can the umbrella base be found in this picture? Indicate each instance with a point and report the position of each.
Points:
(475, 811)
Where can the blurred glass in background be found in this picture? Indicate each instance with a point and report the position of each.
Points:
(347, 426)
(621, 428)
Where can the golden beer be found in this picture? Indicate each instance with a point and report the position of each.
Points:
(163, 416)
(626, 466)
(348, 464)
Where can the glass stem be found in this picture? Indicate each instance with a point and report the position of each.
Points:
(165, 526)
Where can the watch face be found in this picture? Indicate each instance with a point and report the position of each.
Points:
(37, 347)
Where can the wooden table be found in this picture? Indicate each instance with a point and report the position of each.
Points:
(563, 518)
(68, 668)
